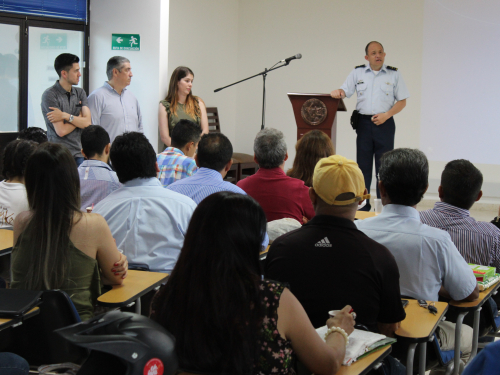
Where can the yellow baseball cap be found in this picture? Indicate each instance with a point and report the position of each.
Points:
(337, 175)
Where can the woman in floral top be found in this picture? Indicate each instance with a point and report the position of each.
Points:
(225, 318)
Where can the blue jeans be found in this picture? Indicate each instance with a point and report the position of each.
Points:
(390, 366)
(12, 364)
(79, 160)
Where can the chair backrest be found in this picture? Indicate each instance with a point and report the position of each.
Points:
(213, 120)
(35, 339)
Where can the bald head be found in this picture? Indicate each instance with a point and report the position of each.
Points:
(369, 44)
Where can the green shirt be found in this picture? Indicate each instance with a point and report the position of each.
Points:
(83, 284)
(181, 115)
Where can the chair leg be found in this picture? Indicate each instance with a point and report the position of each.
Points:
(475, 334)
(409, 358)
(458, 333)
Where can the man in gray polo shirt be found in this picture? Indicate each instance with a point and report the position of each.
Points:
(114, 107)
(65, 107)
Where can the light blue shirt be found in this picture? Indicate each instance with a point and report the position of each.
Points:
(203, 183)
(426, 256)
(117, 113)
(148, 222)
(376, 93)
(97, 181)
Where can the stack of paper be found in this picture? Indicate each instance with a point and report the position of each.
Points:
(360, 343)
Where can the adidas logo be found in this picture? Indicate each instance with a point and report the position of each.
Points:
(323, 243)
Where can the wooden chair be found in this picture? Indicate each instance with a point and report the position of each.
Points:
(243, 164)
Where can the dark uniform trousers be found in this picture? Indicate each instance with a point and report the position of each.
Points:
(373, 140)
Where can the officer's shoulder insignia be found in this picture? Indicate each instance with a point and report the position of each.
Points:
(392, 68)
(360, 66)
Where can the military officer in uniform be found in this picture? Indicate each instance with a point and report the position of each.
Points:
(381, 94)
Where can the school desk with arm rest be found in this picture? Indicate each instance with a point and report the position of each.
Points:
(6, 241)
(364, 365)
(135, 285)
(418, 328)
(463, 308)
(361, 215)
(14, 322)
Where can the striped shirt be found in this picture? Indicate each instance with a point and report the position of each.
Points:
(174, 165)
(97, 181)
(477, 241)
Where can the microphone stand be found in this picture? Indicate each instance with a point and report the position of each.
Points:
(264, 75)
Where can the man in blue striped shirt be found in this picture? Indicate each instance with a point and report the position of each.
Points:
(97, 179)
(214, 158)
(177, 162)
(477, 241)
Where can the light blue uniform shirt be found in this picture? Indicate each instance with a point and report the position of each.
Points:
(426, 256)
(203, 183)
(117, 113)
(376, 93)
(97, 181)
(148, 222)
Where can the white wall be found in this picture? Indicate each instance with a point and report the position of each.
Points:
(149, 18)
(331, 35)
(204, 37)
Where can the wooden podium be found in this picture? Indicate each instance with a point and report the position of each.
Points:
(316, 111)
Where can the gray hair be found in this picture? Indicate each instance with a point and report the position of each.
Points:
(269, 148)
(116, 62)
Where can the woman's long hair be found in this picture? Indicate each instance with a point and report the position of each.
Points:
(53, 189)
(191, 106)
(312, 147)
(212, 302)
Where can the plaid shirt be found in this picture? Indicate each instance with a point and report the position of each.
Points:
(174, 165)
(477, 241)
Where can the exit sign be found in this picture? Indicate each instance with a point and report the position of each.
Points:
(126, 42)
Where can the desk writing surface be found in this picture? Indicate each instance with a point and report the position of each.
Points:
(265, 251)
(419, 322)
(6, 239)
(7, 322)
(365, 364)
(135, 285)
(361, 215)
(483, 296)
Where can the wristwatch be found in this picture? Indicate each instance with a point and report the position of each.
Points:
(71, 117)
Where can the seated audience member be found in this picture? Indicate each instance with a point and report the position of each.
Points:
(248, 325)
(56, 245)
(177, 162)
(97, 179)
(12, 364)
(279, 195)
(147, 220)
(309, 149)
(214, 160)
(477, 241)
(13, 199)
(329, 250)
(428, 261)
(34, 134)
(487, 362)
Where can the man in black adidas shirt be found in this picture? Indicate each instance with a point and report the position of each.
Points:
(329, 263)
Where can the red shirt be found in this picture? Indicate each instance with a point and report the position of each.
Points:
(279, 195)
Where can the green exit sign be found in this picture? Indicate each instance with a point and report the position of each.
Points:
(126, 42)
(53, 41)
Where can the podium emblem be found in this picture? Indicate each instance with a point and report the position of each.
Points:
(313, 112)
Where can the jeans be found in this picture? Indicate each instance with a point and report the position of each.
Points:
(12, 364)
(390, 366)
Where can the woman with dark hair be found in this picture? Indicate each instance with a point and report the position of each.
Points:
(56, 245)
(225, 318)
(314, 145)
(13, 199)
(180, 104)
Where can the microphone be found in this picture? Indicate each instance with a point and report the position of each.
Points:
(297, 56)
